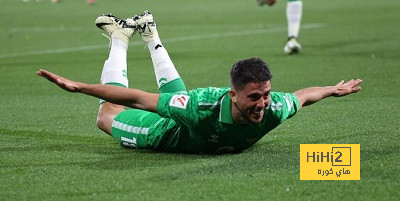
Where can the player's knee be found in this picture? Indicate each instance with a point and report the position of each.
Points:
(106, 115)
(103, 124)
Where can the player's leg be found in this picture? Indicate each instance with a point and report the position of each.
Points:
(115, 67)
(134, 128)
(167, 76)
(294, 9)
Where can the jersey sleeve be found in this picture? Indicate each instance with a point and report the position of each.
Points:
(179, 107)
(284, 105)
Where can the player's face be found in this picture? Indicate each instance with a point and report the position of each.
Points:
(252, 100)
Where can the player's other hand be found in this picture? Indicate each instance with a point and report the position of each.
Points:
(62, 82)
(349, 87)
(268, 2)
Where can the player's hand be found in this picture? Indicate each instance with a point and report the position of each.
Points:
(63, 83)
(268, 2)
(349, 87)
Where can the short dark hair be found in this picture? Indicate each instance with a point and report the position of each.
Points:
(253, 70)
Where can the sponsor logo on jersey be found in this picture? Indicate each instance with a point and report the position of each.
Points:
(179, 101)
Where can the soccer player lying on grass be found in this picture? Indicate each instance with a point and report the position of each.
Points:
(204, 120)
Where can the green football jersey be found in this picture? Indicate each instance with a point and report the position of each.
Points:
(203, 122)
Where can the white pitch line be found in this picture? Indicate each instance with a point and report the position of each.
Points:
(168, 40)
(46, 29)
(93, 29)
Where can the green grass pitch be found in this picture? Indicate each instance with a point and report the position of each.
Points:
(51, 148)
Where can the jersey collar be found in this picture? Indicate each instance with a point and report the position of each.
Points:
(225, 111)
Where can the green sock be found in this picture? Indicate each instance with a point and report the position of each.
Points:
(173, 86)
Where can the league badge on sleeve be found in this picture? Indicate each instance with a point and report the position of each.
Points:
(179, 101)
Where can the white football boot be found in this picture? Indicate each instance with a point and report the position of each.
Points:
(292, 46)
(116, 27)
(146, 27)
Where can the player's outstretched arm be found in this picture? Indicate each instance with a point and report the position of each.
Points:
(311, 95)
(133, 98)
